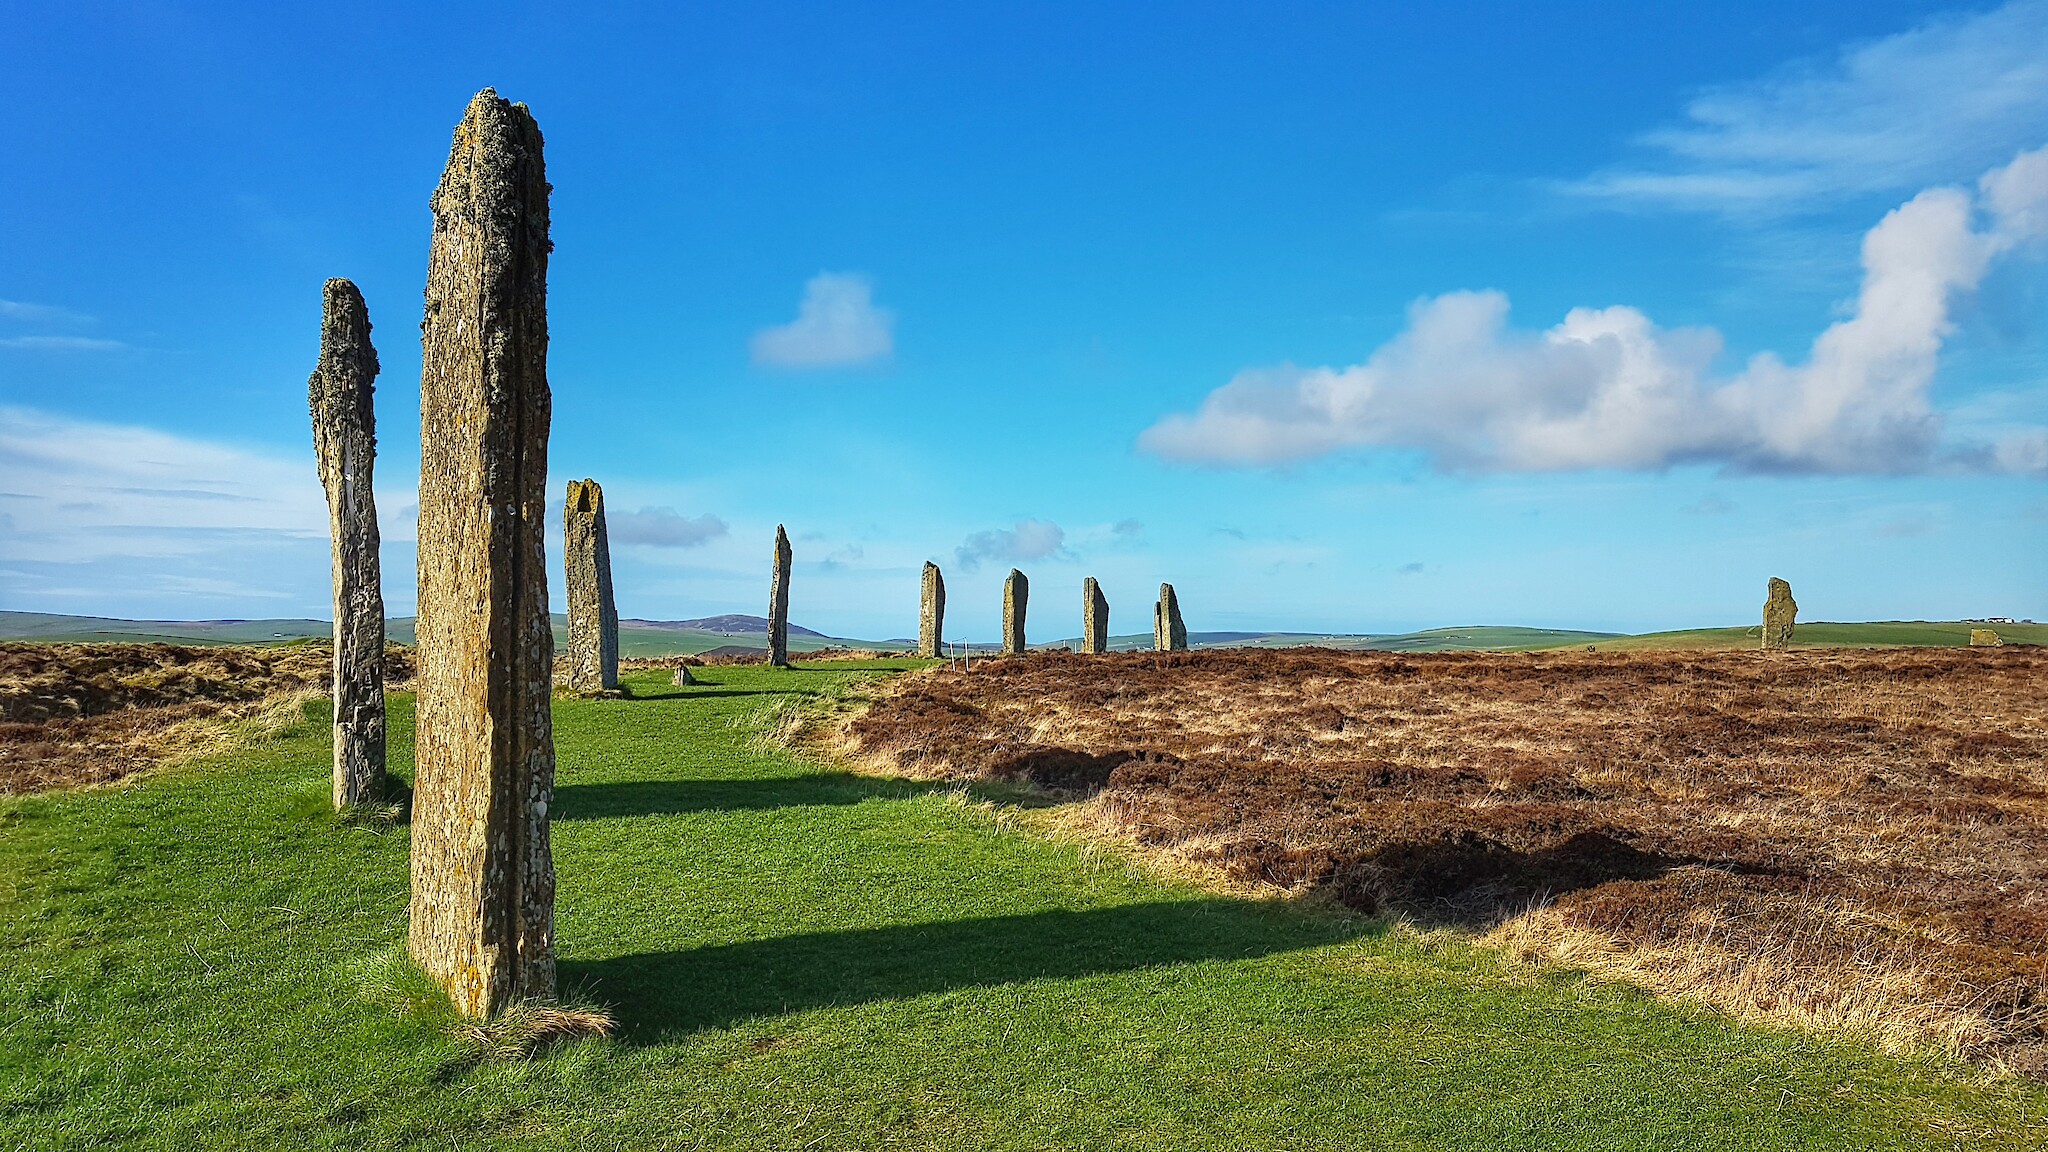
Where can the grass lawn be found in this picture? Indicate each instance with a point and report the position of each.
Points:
(802, 958)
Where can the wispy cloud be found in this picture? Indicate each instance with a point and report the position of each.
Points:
(27, 313)
(1028, 540)
(837, 323)
(664, 528)
(61, 344)
(134, 519)
(1606, 388)
(1931, 104)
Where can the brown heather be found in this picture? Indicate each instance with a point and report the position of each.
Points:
(80, 714)
(1849, 839)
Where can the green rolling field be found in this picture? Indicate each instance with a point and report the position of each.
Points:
(654, 639)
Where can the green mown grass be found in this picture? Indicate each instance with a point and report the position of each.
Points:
(804, 958)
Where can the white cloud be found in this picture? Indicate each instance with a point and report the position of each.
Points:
(137, 521)
(1029, 540)
(1606, 388)
(1926, 105)
(40, 313)
(61, 344)
(837, 323)
(81, 490)
(663, 528)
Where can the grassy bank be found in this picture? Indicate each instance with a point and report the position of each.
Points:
(801, 957)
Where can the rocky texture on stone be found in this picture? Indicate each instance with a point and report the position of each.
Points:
(341, 395)
(682, 678)
(1016, 591)
(931, 613)
(778, 602)
(1779, 612)
(1094, 618)
(593, 614)
(483, 878)
(1985, 638)
(1168, 633)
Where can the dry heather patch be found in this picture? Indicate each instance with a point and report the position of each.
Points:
(1844, 838)
(78, 714)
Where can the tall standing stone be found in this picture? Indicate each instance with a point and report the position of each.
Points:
(931, 613)
(1016, 591)
(341, 394)
(1094, 618)
(778, 603)
(483, 879)
(593, 614)
(1779, 612)
(1169, 634)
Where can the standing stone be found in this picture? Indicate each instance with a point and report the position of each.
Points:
(1168, 633)
(593, 614)
(778, 603)
(483, 878)
(1016, 591)
(931, 614)
(345, 441)
(1094, 618)
(1779, 612)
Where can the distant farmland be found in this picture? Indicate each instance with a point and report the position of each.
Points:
(656, 638)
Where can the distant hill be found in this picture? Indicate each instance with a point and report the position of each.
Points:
(656, 638)
(649, 638)
(50, 626)
(730, 624)
(1489, 638)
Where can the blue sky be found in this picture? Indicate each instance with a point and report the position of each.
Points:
(1339, 317)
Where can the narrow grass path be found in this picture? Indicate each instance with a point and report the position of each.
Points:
(804, 958)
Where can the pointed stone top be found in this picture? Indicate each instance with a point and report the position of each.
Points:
(341, 386)
(585, 496)
(495, 164)
(1016, 575)
(929, 566)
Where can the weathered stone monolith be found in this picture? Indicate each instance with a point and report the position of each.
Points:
(593, 614)
(1986, 638)
(1168, 633)
(1016, 591)
(682, 678)
(1779, 612)
(778, 603)
(483, 878)
(931, 613)
(1094, 618)
(341, 394)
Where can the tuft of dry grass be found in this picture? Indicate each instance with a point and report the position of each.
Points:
(1848, 839)
(526, 1030)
